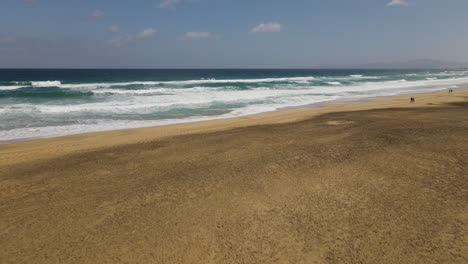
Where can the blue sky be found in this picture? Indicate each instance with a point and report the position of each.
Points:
(227, 33)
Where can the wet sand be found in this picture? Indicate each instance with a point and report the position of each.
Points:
(378, 182)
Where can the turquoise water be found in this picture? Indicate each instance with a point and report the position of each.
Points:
(48, 103)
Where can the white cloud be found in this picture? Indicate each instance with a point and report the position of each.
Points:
(267, 27)
(123, 40)
(149, 32)
(197, 35)
(168, 3)
(98, 13)
(114, 28)
(398, 3)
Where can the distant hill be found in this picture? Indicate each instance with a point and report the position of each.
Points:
(411, 64)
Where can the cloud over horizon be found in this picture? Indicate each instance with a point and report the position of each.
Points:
(149, 32)
(267, 27)
(168, 3)
(213, 33)
(114, 28)
(123, 39)
(398, 3)
(197, 35)
(97, 13)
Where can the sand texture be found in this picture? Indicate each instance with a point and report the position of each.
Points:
(351, 185)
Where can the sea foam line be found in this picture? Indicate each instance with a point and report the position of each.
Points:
(195, 99)
(12, 87)
(370, 90)
(298, 80)
(186, 82)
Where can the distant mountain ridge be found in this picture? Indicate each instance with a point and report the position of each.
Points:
(411, 64)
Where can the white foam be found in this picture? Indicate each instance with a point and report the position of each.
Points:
(47, 84)
(300, 80)
(289, 79)
(251, 101)
(167, 98)
(107, 124)
(104, 85)
(333, 83)
(12, 87)
(157, 91)
(176, 83)
(182, 98)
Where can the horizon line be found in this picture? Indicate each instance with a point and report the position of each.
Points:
(239, 68)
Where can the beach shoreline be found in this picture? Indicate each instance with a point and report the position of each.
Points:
(65, 103)
(33, 147)
(359, 182)
(326, 104)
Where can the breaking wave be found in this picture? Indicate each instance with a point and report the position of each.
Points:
(61, 106)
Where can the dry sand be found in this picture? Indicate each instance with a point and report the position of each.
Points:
(384, 181)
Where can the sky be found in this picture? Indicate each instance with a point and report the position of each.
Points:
(228, 34)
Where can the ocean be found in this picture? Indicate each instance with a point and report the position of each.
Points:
(49, 103)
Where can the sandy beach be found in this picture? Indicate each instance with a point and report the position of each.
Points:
(381, 181)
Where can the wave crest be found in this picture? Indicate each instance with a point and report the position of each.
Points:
(47, 84)
(333, 83)
(12, 87)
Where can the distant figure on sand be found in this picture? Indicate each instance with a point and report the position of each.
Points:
(450, 91)
(412, 100)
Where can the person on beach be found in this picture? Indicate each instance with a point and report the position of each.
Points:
(450, 91)
(412, 100)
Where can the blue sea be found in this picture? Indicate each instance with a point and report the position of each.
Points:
(50, 103)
